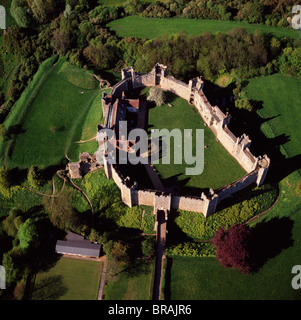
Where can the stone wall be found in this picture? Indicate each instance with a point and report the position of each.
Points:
(186, 203)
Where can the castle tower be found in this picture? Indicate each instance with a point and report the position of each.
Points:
(263, 163)
(160, 72)
(210, 204)
(107, 167)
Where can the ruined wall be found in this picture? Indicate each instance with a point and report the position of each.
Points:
(146, 80)
(120, 87)
(175, 86)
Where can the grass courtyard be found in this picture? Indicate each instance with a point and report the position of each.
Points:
(219, 167)
(149, 28)
(68, 279)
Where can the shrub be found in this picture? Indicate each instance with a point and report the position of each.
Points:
(156, 95)
(34, 178)
(191, 249)
(148, 247)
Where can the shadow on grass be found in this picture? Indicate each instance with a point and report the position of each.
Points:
(167, 292)
(250, 123)
(49, 288)
(268, 239)
(249, 193)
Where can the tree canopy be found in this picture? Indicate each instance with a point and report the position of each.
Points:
(233, 247)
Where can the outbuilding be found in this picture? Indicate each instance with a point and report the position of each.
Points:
(76, 245)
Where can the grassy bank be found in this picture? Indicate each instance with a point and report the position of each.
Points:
(47, 120)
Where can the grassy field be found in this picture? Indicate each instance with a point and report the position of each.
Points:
(204, 278)
(131, 286)
(149, 28)
(69, 279)
(46, 122)
(216, 173)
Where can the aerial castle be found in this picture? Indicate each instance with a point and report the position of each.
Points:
(239, 147)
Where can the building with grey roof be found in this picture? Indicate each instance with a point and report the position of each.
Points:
(77, 245)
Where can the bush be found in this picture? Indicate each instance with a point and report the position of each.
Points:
(5, 184)
(34, 177)
(196, 226)
(191, 249)
(156, 95)
(244, 104)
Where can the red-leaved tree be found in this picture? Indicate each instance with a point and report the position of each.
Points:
(233, 247)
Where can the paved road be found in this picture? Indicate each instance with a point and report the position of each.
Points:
(102, 279)
(161, 239)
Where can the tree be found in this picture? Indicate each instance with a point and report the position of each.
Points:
(244, 104)
(290, 61)
(103, 14)
(12, 223)
(28, 234)
(34, 177)
(68, 10)
(12, 262)
(20, 12)
(2, 132)
(119, 252)
(99, 55)
(134, 7)
(233, 247)
(5, 183)
(156, 95)
(253, 11)
(42, 10)
(148, 247)
(275, 46)
(295, 61)
(61, 212)
(61, 41)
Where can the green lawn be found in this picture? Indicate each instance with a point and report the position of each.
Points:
(46, 122)
(219, 167)
(69, 279)
(134, 285)
(155, 27)
(281, 102)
